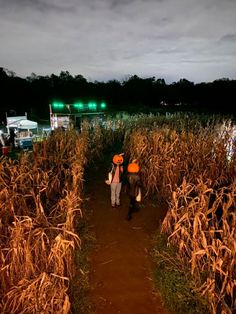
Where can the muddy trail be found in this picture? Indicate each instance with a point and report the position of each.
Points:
(120, 264)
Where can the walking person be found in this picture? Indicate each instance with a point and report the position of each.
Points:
(116, 176)
(133, 187)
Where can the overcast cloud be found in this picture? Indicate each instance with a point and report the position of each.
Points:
(112, 39)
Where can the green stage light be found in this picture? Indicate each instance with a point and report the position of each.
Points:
(58, 105)
(79, 106)
(92, 106)
(103, 105)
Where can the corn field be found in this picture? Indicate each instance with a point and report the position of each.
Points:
(40, 198)
(184, 160)
(187, 164)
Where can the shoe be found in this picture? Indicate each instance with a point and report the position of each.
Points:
(129, 218)
(113, 206)
(118, 205)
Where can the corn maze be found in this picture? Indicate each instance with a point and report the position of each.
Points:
(183, 160)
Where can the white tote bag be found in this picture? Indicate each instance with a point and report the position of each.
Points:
(109, 178)
(139, 197)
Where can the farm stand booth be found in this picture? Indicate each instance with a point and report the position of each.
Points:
(71, 115)
(23, 129)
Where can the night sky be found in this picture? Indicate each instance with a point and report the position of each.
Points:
(113, 39)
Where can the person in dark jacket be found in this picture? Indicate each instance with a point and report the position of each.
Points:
(12, 138)
(133, 187)
(116, 171)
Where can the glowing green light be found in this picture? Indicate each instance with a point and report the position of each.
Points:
(92, 106)
(103, 105)
(58, 105)
(79, 105)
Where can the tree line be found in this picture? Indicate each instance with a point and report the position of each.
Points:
(34, 93)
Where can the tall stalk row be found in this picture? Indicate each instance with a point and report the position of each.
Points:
(201, 222)
(187, 164)
(40, 199)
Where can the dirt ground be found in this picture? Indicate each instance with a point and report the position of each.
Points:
(121, 265)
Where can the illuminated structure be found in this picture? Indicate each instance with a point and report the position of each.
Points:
(71, 115)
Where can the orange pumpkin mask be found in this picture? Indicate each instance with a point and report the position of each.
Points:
(133, 168)
(118, 159)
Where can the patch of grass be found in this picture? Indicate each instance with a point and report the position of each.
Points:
(174, 281)
(79, 288)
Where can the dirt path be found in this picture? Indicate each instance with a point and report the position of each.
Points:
(120, 277)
